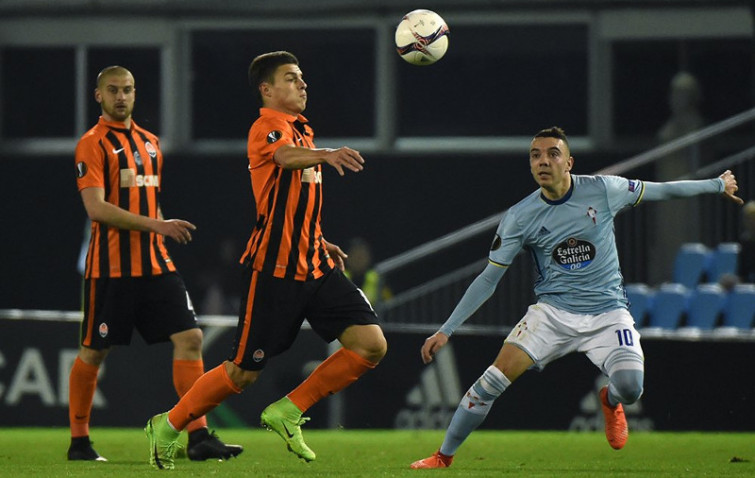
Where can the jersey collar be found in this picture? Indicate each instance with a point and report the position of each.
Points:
(117, 125)
(562, 199)
(269, 112)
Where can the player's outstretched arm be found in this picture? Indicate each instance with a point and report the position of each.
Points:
(476, 294)
(431, 346)
(731, 187)
(296, 157)
(725, 184)
(344, 157)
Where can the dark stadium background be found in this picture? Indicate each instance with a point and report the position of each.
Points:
(493, 82)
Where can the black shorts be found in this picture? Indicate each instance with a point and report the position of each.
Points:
(156, 306)
(273, 310)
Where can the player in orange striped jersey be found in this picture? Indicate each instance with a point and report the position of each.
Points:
(130, 280)
(292, 272)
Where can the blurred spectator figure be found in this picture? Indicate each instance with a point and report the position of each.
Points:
(746, 266)
(220, 281)
(359, 270)
(671, 218)
(684, 102)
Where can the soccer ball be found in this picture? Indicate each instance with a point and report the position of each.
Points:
(422, 37)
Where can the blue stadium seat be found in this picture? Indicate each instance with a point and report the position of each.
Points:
(739, 310)
(640, 296)
(690, 264)
(723, 260)
(668, 306)
(706, 304)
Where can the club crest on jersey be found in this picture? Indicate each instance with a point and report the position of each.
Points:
(81, 169)
(573, 254)
(274, 136)
(632, 185)
(592, 214)
(150, 150)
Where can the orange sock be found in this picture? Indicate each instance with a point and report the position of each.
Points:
(185, 373)
(337, 372)
(82, 383)
(207, 393)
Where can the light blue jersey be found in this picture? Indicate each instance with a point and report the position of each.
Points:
(572, 243)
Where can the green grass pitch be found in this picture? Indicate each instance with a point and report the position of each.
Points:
(38, 452)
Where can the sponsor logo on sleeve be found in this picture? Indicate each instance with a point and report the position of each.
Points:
(81, 169)
(274, 136)
(496, 243)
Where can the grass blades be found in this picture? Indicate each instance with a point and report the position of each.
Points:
(37, 452)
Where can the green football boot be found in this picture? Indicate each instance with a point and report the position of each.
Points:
(163, 442)
(284, 418)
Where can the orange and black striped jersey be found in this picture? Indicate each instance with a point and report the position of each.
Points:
(127, 164)
(287, 240)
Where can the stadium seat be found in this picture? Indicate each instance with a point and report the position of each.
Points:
(723, 260)
(640, 296)
(739, 310)
(706, 304)
(690, 264)
(668, 306)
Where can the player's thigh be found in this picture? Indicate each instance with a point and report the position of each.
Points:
(109, 312)
(541, 335)
(270, 317)
(337, 305)
(164, 308)
(615, 339)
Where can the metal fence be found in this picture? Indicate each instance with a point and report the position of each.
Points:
(708, 219)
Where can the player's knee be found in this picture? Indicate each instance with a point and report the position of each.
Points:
(367, 341)
(92, 356)
(188, 341)
(376, 348)
(240, 377)
(627, 385)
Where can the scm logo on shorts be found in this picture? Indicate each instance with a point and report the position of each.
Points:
(103, 330)
(258, 355)
(574, 254)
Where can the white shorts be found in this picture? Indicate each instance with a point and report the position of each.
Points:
(546, 333)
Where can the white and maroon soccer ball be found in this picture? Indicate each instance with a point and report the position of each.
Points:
(422, 37)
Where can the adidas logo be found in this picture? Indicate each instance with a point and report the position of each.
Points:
(543, 231)
(590, 417)
(432, 402)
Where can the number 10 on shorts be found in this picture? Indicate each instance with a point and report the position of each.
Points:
(625, 337)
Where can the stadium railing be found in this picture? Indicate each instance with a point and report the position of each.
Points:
(434, 297)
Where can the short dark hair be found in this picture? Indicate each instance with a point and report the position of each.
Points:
(553, 132)
(113, 70)
(263, 67)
